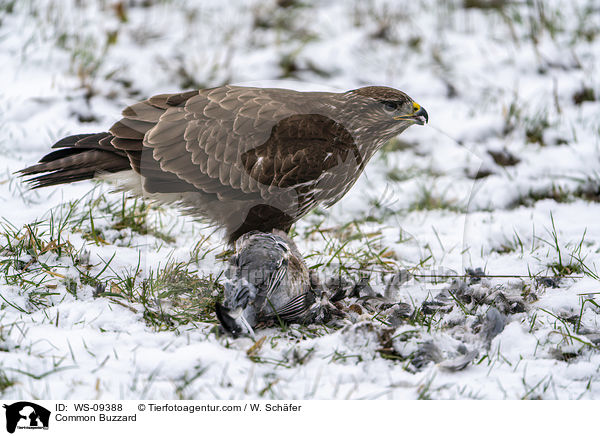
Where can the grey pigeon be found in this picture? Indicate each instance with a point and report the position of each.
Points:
(267, 281)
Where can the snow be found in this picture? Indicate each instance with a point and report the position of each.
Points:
(488, 80)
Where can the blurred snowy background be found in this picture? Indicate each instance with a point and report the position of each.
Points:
(105, 297)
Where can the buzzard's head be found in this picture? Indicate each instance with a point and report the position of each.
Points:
(384, 110)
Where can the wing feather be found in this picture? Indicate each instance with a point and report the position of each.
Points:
(244, 145)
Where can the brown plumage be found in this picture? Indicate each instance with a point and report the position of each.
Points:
(246, 158)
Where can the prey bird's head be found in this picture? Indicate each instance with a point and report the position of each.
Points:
(385, 111)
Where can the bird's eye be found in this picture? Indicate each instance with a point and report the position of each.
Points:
(390, 106)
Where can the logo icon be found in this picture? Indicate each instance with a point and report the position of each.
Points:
(26, 415)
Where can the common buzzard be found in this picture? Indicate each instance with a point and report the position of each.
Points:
(245, 158)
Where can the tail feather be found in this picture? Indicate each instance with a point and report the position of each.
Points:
(79, 157)
(71, 141)
(58, 154)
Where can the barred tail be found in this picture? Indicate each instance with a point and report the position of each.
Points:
(79, 157)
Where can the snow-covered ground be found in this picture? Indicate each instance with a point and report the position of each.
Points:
(99, 298)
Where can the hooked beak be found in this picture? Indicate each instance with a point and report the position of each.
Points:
(419, 115)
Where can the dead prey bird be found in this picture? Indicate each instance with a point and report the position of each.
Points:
(244, 158)
(267, 281)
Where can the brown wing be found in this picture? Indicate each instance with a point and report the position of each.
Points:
(128, 135)
(311, 153)
(202, 141)
(259, 157)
